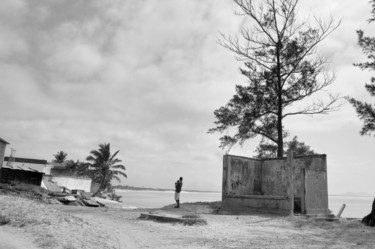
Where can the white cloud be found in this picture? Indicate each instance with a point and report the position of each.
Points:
(75, 61)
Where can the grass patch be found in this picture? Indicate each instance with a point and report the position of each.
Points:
(47, 241)
(4, 220)
(190, 216)
(193, 220)
(25, 190)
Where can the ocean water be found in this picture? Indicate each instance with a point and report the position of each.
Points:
(356, 206)
(157, 199)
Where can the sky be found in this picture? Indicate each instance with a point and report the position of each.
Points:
(146, 77)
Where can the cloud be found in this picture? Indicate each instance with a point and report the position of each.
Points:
(75, 61)
(145, 76)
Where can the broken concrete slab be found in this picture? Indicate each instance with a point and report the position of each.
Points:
(172, 218)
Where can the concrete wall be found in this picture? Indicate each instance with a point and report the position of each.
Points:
(72, 182)
(264, 185)
(252, 185)
(2, 152)
(316, 186)
(242, 176)
(274, 177)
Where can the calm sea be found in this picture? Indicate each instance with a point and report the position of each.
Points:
(356, 206)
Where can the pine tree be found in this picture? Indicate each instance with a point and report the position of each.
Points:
(282, 69)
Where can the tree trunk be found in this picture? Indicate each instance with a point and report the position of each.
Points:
(100, 189)
(369, 220)
(280, 142)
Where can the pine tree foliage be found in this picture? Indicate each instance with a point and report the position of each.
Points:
(366, 111)
(268, 150)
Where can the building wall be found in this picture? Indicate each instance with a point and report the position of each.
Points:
(316, 186)
(2, 152)
(72, 182)
(30, 177)
(243, 175)
(264, 185)
(274, 177)
(253, 185)
(24, 170)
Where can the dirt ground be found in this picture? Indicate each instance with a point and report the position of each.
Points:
(224, 231)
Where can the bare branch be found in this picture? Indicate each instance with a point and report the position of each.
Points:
(319, 107)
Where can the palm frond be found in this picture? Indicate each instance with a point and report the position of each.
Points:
(116, 178)
(114, 155)
(118, 167)
(120, 173)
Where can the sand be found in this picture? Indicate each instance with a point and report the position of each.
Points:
(11, 238)
(121, 229)
(226, 231)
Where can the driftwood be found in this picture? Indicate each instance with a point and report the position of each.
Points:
(369, 220)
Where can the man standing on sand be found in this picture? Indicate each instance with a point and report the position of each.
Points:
(178, 186)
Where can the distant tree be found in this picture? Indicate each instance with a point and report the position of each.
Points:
(366, 111)
(282, 69)
(78, 168)
(267, 150)
(104, 167)
(60, 157)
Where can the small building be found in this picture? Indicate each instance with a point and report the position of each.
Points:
(24, 170)
(275, 185)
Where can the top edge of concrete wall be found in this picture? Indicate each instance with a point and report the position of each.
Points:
(278, 158)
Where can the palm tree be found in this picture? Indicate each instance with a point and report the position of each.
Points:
(105, 167)
(60, 157)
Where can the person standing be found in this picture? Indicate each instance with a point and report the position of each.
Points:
(178, 187)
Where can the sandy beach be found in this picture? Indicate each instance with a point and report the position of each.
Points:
(73, 227)
(227, 231)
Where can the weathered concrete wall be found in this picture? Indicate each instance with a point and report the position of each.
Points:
(242, 176)
(2, 152)
(274, 177)
(316, 186)
(256, 203)
(252, 184)
(73, 183)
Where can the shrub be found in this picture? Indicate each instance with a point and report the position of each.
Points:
(4, 220)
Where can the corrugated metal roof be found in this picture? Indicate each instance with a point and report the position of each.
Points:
(26, 164)
(27, 160)
(2, 140)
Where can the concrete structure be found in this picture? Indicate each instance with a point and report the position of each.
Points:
(277, 185)
(24, 170)
(60, 174)
(69, 182)
(3, 144)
